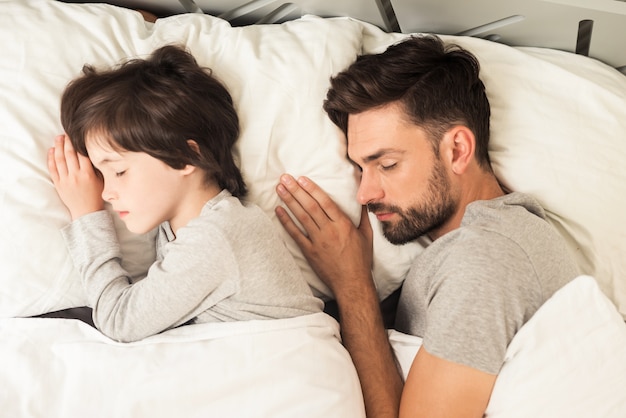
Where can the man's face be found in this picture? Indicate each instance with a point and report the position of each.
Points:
(403, 181)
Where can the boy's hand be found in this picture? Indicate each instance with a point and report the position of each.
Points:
(76, 181)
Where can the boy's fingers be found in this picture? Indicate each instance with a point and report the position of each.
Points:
(71, 158)
(59, 156)
(52, 167)
(84, 162)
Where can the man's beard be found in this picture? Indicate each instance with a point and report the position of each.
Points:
(436, 209)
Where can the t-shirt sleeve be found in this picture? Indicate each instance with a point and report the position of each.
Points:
(483, 294)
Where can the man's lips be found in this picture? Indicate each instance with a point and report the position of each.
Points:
(383, 216)
(382, 212)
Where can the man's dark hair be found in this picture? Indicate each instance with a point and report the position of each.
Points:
(437, 85)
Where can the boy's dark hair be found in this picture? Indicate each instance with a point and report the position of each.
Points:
(437, 85)
(156, 105)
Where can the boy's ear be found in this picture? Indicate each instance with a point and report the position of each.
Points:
(460, 143)
(193, 145)
(188, 169)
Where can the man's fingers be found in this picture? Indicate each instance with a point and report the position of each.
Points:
(365, 226)
(303, 206)
(328, 207)
(294, 204)
(313, 200)
(292, 229)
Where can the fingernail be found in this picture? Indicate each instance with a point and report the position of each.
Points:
(303, 181)
(285, 178)
(281, 190)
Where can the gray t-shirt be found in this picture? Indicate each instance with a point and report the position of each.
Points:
(470, 291)
(228, 264)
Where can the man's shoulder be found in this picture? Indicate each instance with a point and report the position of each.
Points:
(513, 220)
(513, 210)
(507, 238)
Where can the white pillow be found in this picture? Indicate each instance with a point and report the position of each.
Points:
(278, 76)
(557, 122)
(557, 133)
(44, 45)
(544, 113)
(568, 360)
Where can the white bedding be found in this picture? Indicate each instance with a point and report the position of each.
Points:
(281, 368)
(558, 121)
(568, 361)
(557, 133)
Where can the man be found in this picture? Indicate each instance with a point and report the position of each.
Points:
(416, 118)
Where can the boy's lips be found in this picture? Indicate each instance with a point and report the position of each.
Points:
(122, 213)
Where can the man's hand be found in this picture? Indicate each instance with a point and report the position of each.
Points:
(339, 252)
(76, 181)
(341, 255)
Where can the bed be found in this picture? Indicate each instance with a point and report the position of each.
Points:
(558, 123)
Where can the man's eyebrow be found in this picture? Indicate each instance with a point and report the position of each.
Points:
(381, 153)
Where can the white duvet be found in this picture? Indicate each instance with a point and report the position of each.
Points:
(568, 361)
(276, 368)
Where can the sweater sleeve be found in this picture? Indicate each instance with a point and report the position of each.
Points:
(95, 251)
(175, 290)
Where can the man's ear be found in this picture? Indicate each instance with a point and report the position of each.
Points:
(460, 143)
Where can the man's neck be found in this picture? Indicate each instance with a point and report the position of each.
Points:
(484, 186)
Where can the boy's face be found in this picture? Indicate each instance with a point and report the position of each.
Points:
(143, 190)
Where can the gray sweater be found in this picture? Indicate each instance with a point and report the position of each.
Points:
(228, 264)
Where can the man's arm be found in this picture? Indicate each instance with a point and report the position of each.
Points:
(341, 255)
(437, 388)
